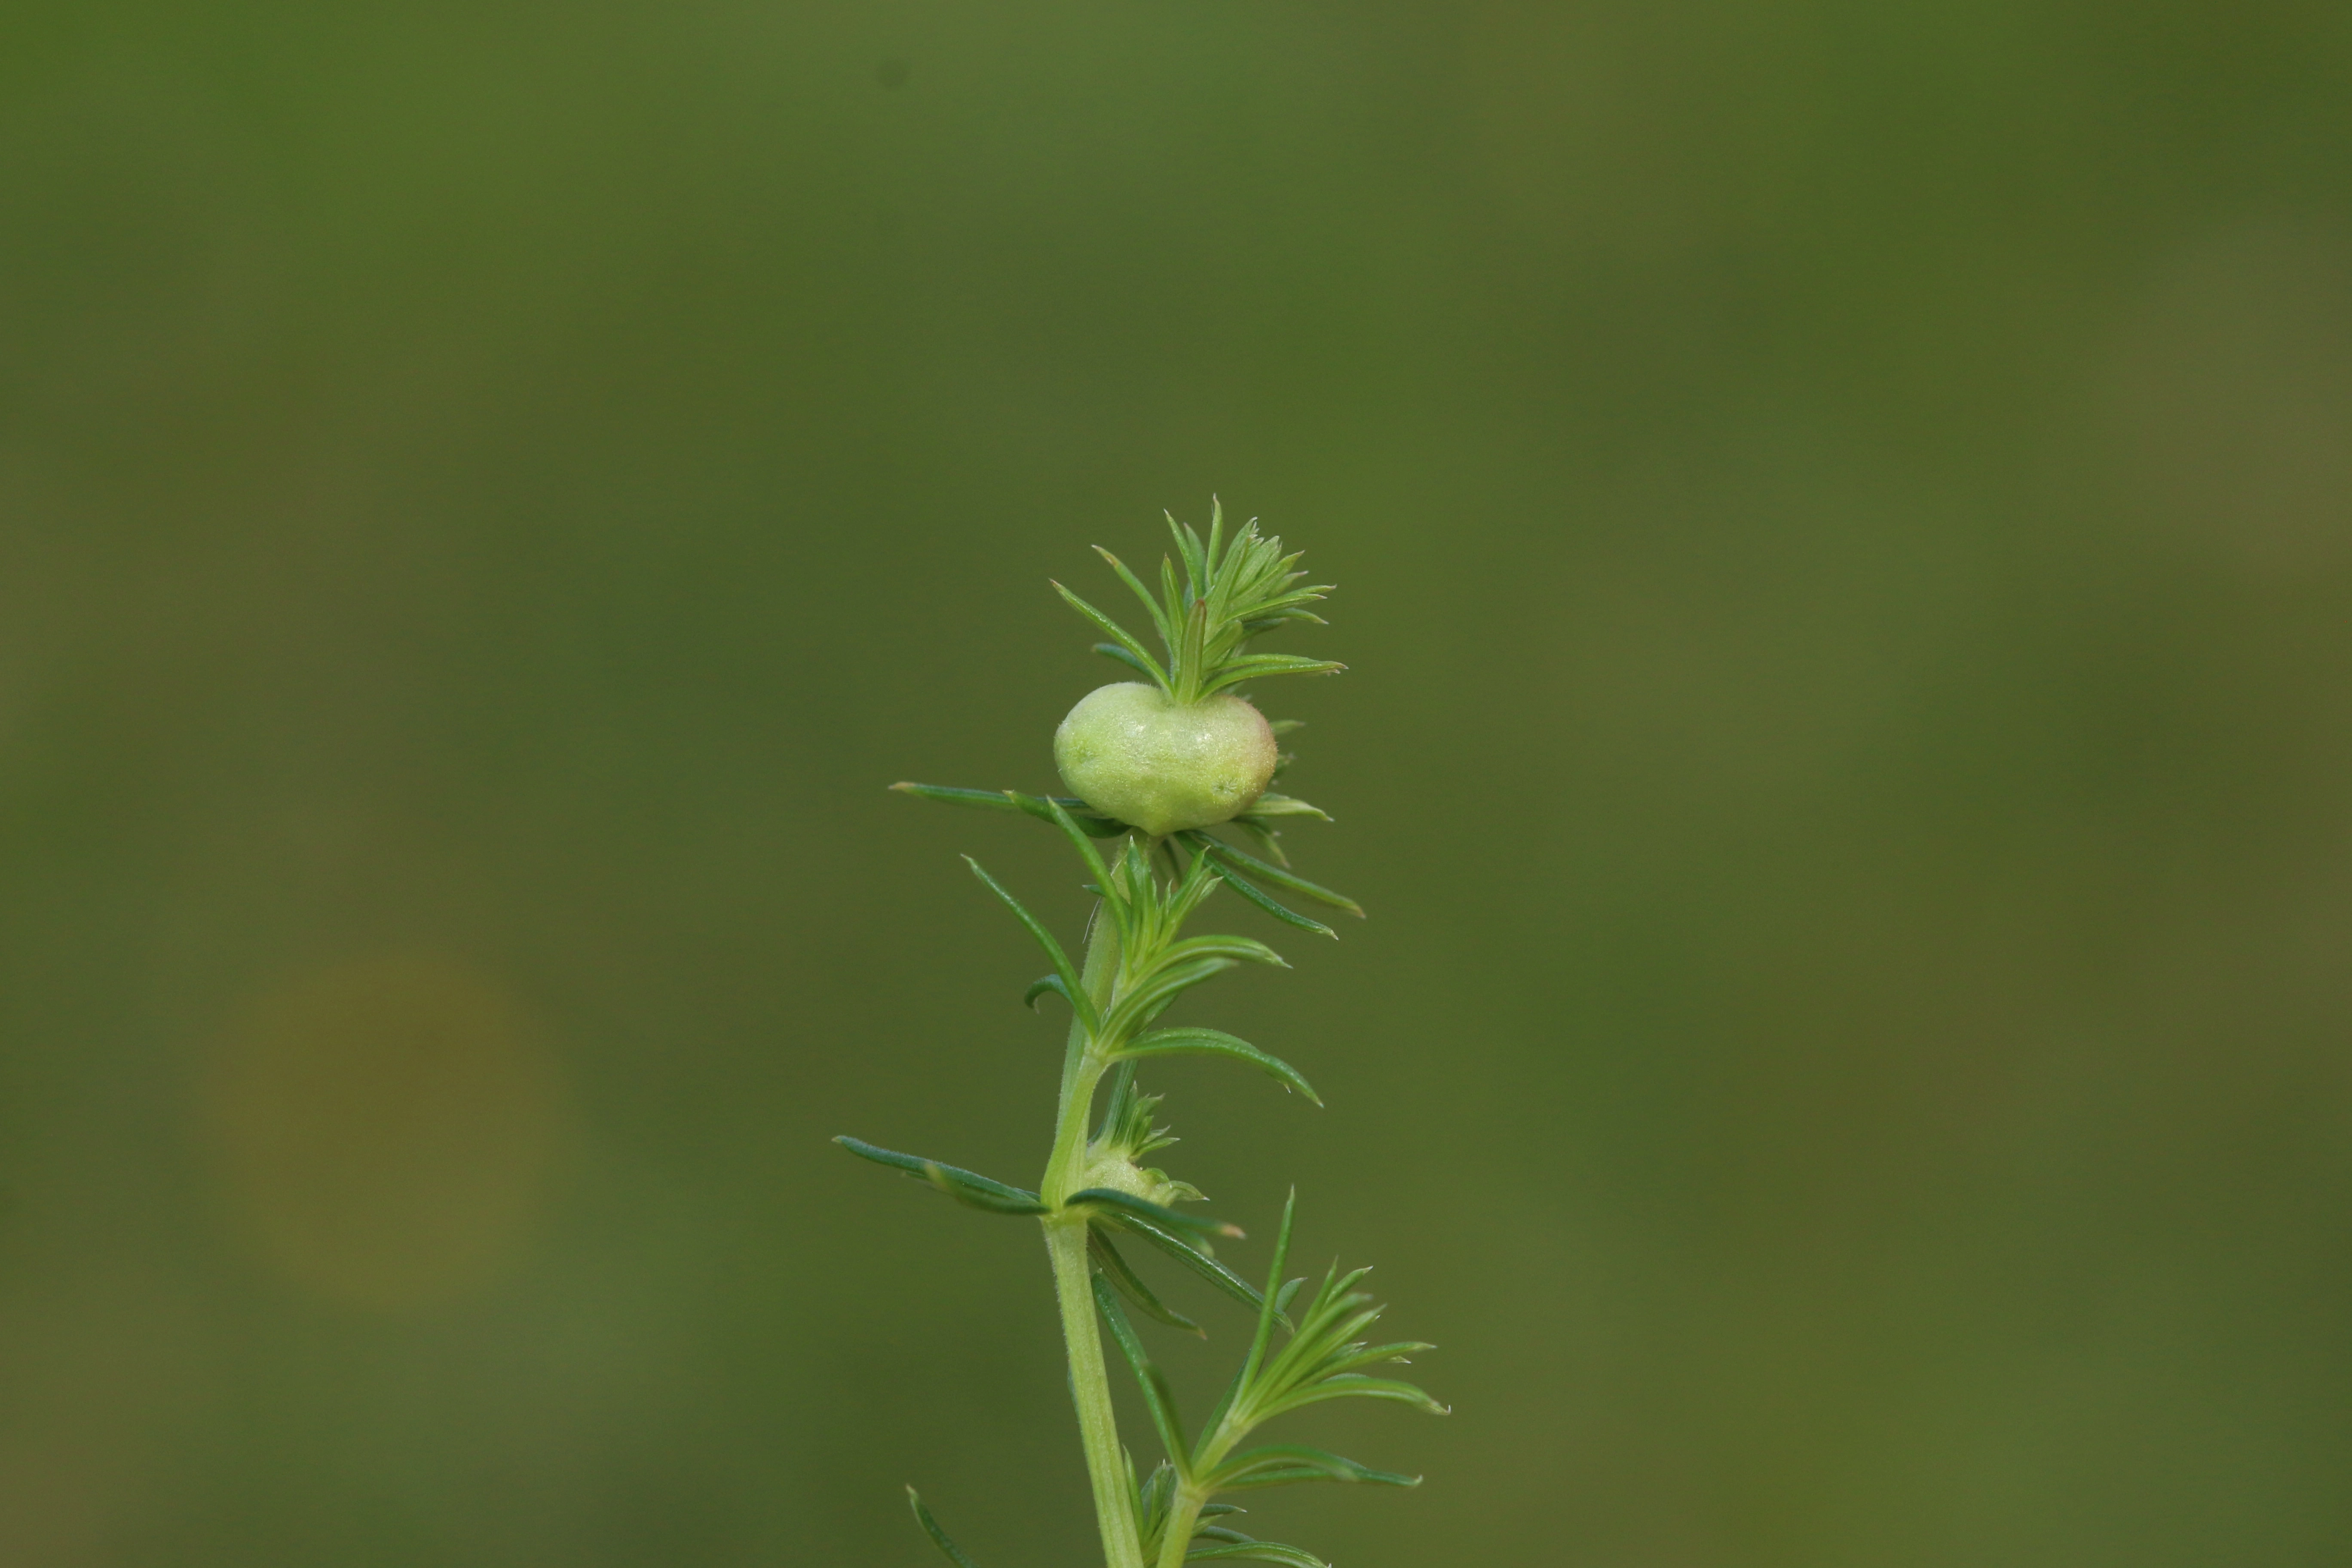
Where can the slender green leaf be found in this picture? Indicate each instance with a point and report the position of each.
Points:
(981, 1197)
(1051, 982)
(948, 1548)
(988, 799)
(1117, 634)
(1116, 1269)
(1240, 948)
(1271, 805)
(1158, 1397)
(1190, 658)
(1063, 818)
(1215, 1042)
(1200, 1262)
(1171, 593)
(1349, 1385)
(1151, 995)
(1254, 1468)
(1238, 673)
(1155, 1492)
(1270, 1306)
(965, 1187)
(1265, 834)
(1128, 1204)
(1151, 606)
(1352, 1360)
(1152, 1501)
(1112, 650)
(1249, 865)
(1288, 916)
(1256, 663)
(1196, 558)
(1092, 822)
(1055, 810)
(1257, 1552)
(1071, 989)
(1271, 1303)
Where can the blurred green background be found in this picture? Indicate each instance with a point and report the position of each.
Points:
(1845, 523)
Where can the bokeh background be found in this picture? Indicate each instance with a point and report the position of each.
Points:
(1845, 523)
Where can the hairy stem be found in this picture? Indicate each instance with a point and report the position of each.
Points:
(1066, 1244)
(1184, 1516)
(1065, 1240)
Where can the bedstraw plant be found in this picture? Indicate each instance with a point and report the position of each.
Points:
(1163, 771)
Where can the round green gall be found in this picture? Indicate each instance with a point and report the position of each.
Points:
(1133, 753)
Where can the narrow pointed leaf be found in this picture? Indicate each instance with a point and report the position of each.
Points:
(1152, 1501)
(1216, 1043)
(1249, 666)
(1049, 984)
(1354, 1385)
(1285, 805)
(1152, 996)
(1250, 864)
(1259, 668)
(1071, 989)
(1157, 1395)
(1171, 594)
(1072, 829)
(1400, 1353)
(1054, 810)
(1271, 1304)
(1092, 822)
(1288, 916)
(1143, 1208)
(1196, 560)
(1210, 1270)
(1117, 634)
(1191, 657)
(988, 799)
(1256, 1468)
(1151, 606)
(1115, 1269)
(1240, 948)
(971, 1197)
(948, 1548)
(1267, 837)
(1112, 650)
(1256, 1551)
(966, 1187)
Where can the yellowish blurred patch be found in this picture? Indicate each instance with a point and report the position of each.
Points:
(387, 1129)
(2235, 385)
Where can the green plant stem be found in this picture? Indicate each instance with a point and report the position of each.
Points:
(1065, 1240)
(1184, 1517)
(1184, 1512)
(1066, 1244)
